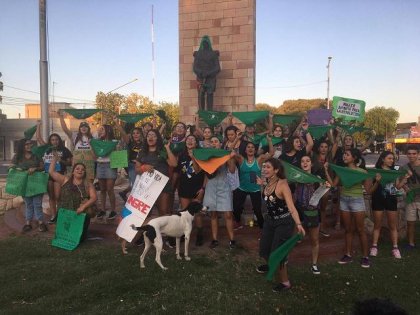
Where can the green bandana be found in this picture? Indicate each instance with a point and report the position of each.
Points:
(352, 129)
(212, 118)
(250, 118)
(102, 148)
(277, 256)
(29, 133)
(177, 147)
(133, 118)
(318, 131)
(275, 140)
(39, 151)
(297, 175)
(208, 153)
(388, 176)
(256, 139)
(411, 195)
(350, 177)
(82, 113)
(285, 119)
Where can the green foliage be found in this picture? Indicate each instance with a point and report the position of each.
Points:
(383, 120)
(300, 106)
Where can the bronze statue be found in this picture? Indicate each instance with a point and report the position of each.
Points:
(206, 67)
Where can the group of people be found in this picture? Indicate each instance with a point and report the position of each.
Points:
(254, 168)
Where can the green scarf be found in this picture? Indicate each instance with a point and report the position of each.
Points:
(275, 140)
(411, 195)
(318, 131)
(350, 177)
(352, 129)
(39, 151)
(133, 118)
(29, 133)
(256, 139)
(285, 119)
(277, 256)
(212, 118)
(297, 175)
(82, 113)
(102, 148)
(388, 176)
(250, 118)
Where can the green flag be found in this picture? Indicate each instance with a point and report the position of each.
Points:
(250, 118)
(208, 153)
(256, 139)
(177, 147)
(16, 182)
(69, 229)
(350, 177)
(297, 175)
(388, 176)
(133, 118)
(285, 119)
(212, 118)
(411, 195)
(82, 113)
(37, 184)
(318, 131)
(119, 159)
(102, 148)
(40, 150)
(29, 133)
(348, 109)
(277, 256)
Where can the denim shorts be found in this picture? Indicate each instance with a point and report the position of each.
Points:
(352, 204)
(104, 171)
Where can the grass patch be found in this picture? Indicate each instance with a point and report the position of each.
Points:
(38, 278)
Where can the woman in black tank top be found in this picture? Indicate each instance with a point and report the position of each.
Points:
(280, 219)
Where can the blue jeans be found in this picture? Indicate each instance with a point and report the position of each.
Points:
(132, 173)
(33, 206)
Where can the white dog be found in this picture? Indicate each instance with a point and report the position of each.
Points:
(174, 226)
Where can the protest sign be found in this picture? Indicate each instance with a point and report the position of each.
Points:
(19, 183)
(348, 109)
(69, 229)
(319, 116)
(146, 190)
(318, 194)
(88, 159)
(119, 159)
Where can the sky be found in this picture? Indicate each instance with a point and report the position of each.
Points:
(99, 45)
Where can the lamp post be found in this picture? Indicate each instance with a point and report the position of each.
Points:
(102, 113)
(328, 82)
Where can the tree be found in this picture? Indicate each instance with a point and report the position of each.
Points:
(111, 103)
(383, 120)
(300, 106)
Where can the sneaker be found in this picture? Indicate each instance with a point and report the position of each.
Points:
(53, 220)
(232, 244)
(112, 215)
(373, 251)
(123, 195)
(42, 227)
(26, 228)
(315, 270)
(237, 226)
(281, 287)
(324, 233)
(262, 269)
(345, 260)
(364, 262)
(396, 253)
(214, 244)
(101, 214)
(410, 247)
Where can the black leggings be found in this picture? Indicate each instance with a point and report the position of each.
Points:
(239, 197)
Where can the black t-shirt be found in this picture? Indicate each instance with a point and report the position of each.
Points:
(156, 159)
(133, 150)
(293, 159)
(64, 155)
(189, 181)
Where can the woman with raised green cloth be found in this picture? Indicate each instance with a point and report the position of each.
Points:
(280, 220)
(352, 204)
(77, 193)
(26, 160)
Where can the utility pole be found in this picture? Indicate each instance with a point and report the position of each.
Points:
(43, 67)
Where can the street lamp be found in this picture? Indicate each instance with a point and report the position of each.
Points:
(328, 82)
(102, 113)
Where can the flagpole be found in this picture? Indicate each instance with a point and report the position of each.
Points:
(328, 82)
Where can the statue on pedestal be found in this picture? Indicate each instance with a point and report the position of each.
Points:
(206, 67)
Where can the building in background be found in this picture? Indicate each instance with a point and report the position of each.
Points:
(407, 134)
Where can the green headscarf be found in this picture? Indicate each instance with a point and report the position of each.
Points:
(250, 118)
(297, 175)
(82, 113)
(212, 118)
(348, 176)
(133, 118)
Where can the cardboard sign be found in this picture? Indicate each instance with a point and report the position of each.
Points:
(348, 109)
(88, 159)
(69, 229)
(319, 116)
(19, 183)
(144, 194)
